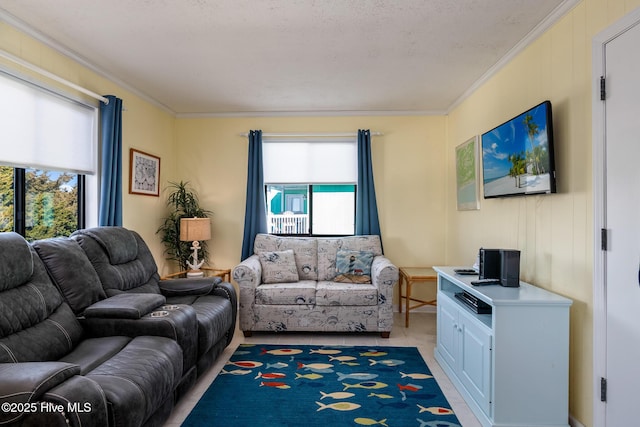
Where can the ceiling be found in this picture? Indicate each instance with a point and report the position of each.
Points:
(288, 56)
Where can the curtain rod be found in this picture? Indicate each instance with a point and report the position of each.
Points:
(43, 72)
(311, 134)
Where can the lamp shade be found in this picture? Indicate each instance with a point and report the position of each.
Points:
(192, 229)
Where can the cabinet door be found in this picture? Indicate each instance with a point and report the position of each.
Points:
(475, 360)
(448, 335)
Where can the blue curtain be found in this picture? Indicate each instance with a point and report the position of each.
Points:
(366, 206)
(255, 215)
(111, 179)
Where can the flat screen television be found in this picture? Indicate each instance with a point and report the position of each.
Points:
(517, 156)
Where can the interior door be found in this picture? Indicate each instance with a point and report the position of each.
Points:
(622, 218)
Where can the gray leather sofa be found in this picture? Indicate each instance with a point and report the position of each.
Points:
(53, 374)
(124, 265)
(109, 316)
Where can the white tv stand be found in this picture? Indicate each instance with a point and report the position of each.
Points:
(511, 366)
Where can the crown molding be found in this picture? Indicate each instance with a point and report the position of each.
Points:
(560, 11)
(53, 44)
(323, 113)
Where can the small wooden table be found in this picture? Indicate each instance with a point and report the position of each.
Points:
(411, 275)
(224, 273)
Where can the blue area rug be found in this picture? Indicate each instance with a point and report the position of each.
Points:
(302, 385)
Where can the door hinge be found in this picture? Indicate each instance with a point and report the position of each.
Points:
(603, 91)
(603, 389)
(604, 239)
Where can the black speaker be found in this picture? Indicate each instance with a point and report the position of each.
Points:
(489, 264)
(510, 268)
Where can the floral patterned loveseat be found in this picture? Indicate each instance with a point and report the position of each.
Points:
(340, 284)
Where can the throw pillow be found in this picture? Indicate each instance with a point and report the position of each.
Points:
(278, 267)
(353, 266)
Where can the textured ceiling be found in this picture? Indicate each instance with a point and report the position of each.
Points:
(270, 56)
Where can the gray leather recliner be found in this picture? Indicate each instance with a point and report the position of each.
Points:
(52, 372)
(125, 265)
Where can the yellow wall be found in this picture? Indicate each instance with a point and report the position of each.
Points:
(554, 232)
(409, 167)
(145, 126)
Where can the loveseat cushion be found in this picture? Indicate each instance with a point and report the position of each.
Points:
(328, 251)
(353, 266)
(278, 267)
(302, 292)
(71, 271)
(333, 293)
(305, 250)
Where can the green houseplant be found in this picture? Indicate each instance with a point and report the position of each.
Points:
(183, 203)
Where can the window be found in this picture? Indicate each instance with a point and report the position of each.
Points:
(48, 145)
(308, 209)
(39, 204)
(310, 186)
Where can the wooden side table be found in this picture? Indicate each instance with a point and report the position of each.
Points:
(224, 273)
(412, 275)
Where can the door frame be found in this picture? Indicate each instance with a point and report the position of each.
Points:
(598, 111)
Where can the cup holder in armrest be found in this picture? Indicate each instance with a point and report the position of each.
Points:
(170, 307)
(159, 313)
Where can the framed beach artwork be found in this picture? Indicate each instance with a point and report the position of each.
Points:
(467, 175)
(144, 173)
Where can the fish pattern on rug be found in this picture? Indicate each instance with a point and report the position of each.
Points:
(271, 385)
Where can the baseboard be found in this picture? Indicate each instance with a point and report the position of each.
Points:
(574, 423)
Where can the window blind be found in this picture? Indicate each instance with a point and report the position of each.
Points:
(43, 130)
(317, 162)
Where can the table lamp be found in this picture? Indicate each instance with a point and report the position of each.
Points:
(194, 230)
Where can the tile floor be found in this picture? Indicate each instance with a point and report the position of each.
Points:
(421, 334)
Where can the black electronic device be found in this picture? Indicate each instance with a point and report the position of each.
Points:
(510, 268)
(474, 303)
(489, 264)
(465, 271)
(484, 282)
(499, 266)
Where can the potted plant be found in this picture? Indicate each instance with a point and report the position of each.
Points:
(183, 203)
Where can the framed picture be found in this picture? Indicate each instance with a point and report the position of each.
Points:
(467, 175)
(144, 173)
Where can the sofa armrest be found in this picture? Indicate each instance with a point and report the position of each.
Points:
(24, 383)
(83, 400)
(248, 274)
(384, 275)
(197, 286)
(125, 306)
(176, 321)
(383, 272)
(226, 290)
